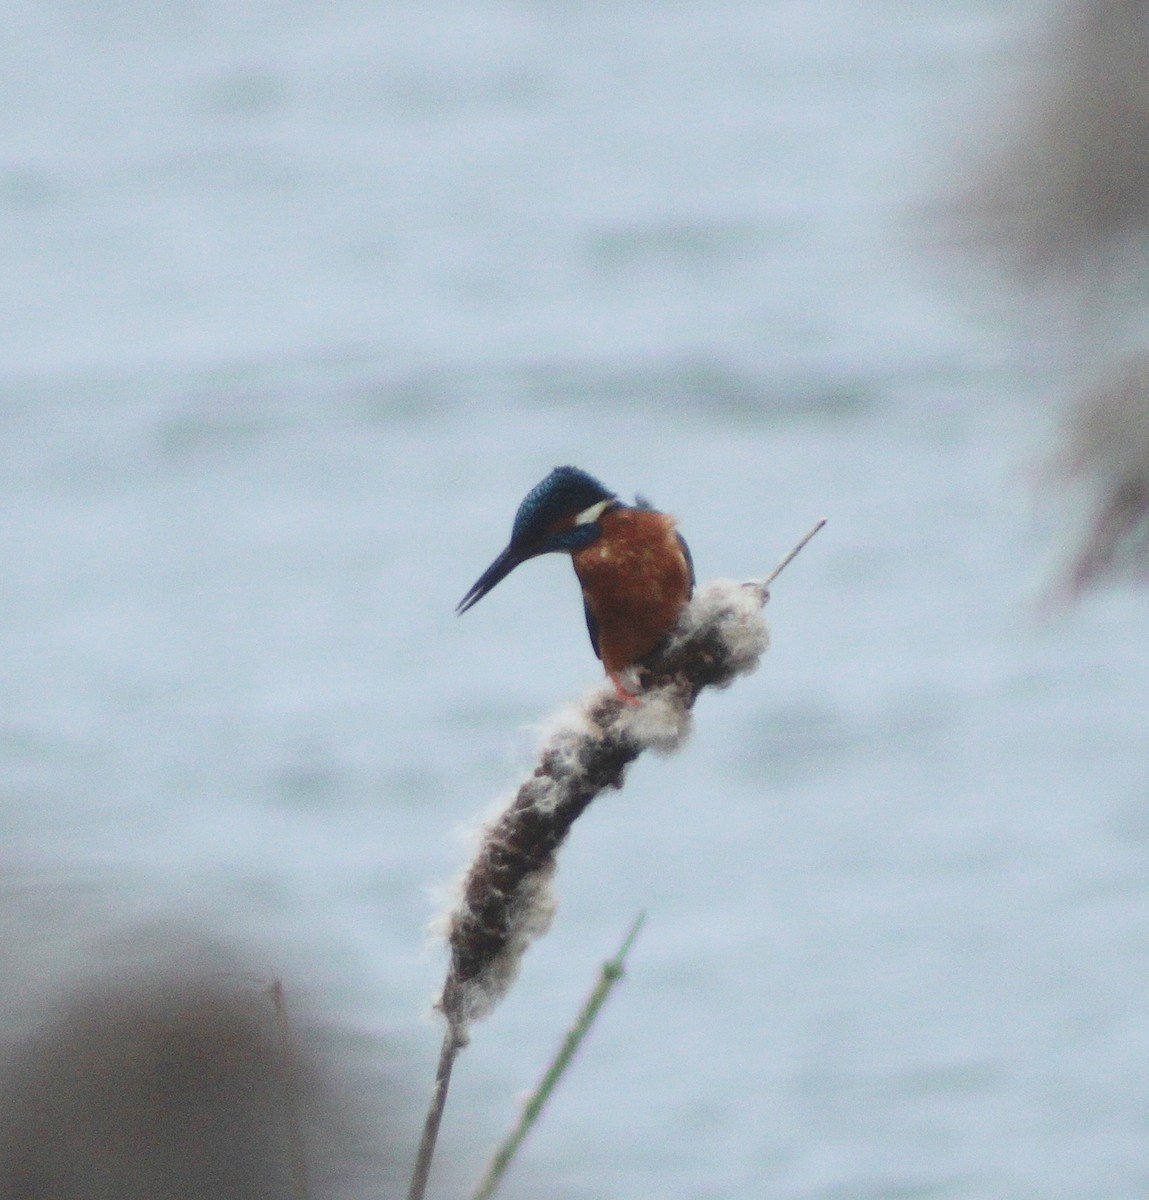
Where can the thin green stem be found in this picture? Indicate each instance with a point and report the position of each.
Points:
(609, 974)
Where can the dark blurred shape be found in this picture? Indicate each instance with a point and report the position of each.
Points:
(1069, 178)
(194, 1086)
(161, 1088)
(1105, 450)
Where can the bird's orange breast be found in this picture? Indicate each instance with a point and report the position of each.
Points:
(635, 580)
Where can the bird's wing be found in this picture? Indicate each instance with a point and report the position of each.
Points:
(689, 560)
(592, 628)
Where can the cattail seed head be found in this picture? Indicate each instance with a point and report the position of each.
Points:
(506, 900)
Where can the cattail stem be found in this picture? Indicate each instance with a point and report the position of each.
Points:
(609, 974)
(452, 1044)
(791, 556)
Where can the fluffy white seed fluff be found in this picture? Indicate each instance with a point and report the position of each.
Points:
(585, 750)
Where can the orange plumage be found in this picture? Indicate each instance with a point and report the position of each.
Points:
(635, 579)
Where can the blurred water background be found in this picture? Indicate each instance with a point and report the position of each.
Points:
(300, 299)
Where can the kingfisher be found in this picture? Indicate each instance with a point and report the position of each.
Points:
(633, 565)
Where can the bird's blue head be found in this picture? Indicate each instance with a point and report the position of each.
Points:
(565, 493)
(560, 513)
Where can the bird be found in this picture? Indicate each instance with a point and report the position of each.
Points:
(634, 567)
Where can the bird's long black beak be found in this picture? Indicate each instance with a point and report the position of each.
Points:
(495, 573)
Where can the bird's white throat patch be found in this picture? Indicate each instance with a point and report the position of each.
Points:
(593, 513)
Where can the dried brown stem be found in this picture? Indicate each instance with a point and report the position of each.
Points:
(447, 1055)
(791, 556)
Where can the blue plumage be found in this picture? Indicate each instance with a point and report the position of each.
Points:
(565, 490)
(539, 525)
(632, 564)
